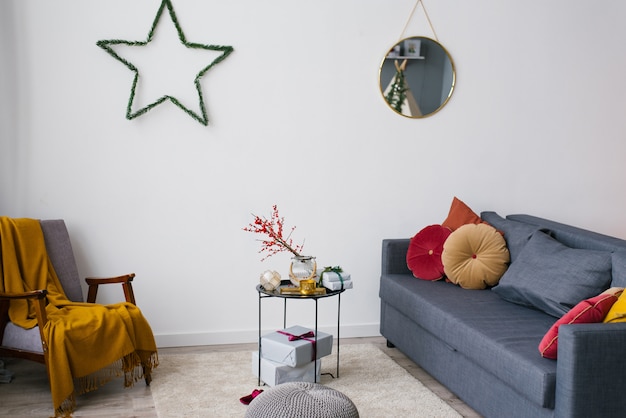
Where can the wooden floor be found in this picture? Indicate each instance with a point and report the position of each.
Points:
(28, 395)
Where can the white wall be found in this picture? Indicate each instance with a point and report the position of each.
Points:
(536, 125)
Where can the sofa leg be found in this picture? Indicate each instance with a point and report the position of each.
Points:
(390, 344)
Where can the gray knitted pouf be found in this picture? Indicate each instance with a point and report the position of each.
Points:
(301, 400)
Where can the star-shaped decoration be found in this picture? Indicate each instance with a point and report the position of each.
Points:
(223, 51)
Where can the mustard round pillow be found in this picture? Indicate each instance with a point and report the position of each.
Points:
(475, 256)
(617, 313)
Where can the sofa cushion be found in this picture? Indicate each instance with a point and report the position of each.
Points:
(424, 254)
(572, 236)
(618, 270)
(588, 311)
(475, 256)
(516, 234)
(503, 342)
(552, 277)
(460, 214)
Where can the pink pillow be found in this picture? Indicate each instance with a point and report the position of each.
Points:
(588, 311)
(424, 254)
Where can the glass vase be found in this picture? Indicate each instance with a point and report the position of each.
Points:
(303, 267)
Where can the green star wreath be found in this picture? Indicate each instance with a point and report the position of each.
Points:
(108, 45)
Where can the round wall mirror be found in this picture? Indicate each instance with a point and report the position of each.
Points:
(417, 77)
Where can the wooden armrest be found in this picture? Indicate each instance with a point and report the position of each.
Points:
(35, 294)
(39, 302)
(125, 280)
(106, 280)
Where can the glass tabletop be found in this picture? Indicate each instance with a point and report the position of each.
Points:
(287, 283)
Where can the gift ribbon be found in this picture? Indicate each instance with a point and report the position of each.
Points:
(336, 269)
(306, 336)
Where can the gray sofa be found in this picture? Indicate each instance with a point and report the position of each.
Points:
(485, 348)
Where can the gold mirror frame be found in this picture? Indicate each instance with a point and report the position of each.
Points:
(417, 77)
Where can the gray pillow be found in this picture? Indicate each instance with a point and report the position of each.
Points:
(516, 234)
(619, 269)
(552, 277)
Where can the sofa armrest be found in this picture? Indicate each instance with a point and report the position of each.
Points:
(590, 370)
(394, 256)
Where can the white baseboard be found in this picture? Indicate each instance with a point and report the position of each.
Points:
(252, 336)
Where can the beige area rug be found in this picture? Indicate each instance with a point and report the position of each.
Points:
(210, 385)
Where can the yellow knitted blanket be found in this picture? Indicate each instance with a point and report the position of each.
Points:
(88, 344)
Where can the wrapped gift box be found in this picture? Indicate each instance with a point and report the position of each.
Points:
(332, 276)
(273, 373)
(347, 284)
(277, 347)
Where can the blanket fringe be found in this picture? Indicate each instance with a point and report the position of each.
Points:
(134, 367)
(66, 409)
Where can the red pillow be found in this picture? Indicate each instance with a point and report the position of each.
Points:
(460, 214)
(586, 312)
(424, 254)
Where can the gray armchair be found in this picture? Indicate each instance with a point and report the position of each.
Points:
(29, 343)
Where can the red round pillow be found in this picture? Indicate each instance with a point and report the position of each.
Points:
(423, 257)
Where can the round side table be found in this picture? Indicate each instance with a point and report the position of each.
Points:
(285, 296)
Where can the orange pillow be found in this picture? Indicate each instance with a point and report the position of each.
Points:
(588, 311)
(460, 214)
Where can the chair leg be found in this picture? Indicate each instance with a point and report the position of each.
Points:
(147, 374)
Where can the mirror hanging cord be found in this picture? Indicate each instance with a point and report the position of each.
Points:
(411, 16)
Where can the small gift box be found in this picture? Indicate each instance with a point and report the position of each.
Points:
(347, 284)
(295, 346)
(273, 373)
(333, 276)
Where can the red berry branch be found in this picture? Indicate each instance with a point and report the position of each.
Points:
(274, 243)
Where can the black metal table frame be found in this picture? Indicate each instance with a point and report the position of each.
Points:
(276, 294)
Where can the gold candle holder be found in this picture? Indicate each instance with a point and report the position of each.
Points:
(307, 287)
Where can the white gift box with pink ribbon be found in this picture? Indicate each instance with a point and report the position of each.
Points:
(295, 346)
(273, 373)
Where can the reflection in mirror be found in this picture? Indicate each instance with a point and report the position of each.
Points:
(417, 77)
